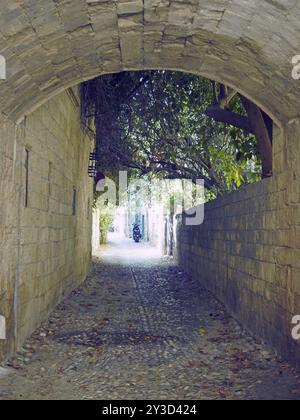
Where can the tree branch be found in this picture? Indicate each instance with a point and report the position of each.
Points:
(231, 118)
(262, 133)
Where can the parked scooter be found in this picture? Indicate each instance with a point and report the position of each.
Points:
(137, 236)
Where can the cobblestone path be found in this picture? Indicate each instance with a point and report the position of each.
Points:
(139, 328)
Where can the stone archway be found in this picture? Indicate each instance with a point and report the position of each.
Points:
(52, 45)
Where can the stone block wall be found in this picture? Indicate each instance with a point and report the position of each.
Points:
(45, 247)
(247, 252)
(9, 182)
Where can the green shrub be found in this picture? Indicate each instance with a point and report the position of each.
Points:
(106, 220)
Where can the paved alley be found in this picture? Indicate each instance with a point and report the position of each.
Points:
(139, 328)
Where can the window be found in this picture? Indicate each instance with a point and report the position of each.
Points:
(74, 202)
(26, 177)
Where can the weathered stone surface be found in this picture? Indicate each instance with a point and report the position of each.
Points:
(44, 250)
(166, 337)
(54, 44)
(248, 251)
(252, 260)
(130, 7)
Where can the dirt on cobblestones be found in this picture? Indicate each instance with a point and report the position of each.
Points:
(139, 328)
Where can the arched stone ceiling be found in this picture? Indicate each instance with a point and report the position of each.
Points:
(50, 45)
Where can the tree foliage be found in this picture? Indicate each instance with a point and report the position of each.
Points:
(106, 219)
(155, 122)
